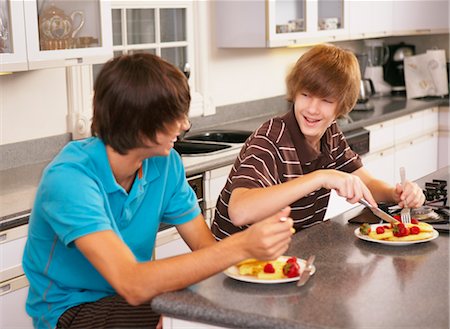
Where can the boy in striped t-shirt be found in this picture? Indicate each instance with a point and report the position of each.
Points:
(298, 158)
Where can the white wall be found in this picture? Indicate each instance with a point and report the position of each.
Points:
(33, 104)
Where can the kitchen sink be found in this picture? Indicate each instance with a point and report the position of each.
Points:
(185, 147)
(223, 136)
(211, 142)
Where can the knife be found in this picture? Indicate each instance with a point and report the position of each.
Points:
(307, 271)
(379, 213)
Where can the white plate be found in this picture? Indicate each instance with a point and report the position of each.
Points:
(233, 272)
(392, 243)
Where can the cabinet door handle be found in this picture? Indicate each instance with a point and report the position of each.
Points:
(5, 288)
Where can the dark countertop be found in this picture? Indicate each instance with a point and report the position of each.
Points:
(385, 108)
(357, 284)
(18, 185)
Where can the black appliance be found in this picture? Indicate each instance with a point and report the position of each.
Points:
(358, 140)
(393, 70)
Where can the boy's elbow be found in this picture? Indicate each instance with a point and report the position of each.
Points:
(237, 216)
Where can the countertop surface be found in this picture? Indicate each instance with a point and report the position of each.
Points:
(18, 185)
(357, 284)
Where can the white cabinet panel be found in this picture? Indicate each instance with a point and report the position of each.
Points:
(172, 323)
(12, 244)
(381, 165)
(408, 126)
(169, 243)
(381, 136)
(279, 23)
(420, 16)
(443, 150)
(431, 120)
(214, 181)
(419, 157)
(13, 295)
(13, 48)
(369, 19)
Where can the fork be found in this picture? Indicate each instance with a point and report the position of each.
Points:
(405, 214)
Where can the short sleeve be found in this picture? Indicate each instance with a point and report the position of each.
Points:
(78, 206)
(182, 204)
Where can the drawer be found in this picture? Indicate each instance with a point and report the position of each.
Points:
(381, 136)
(13, 296)
(431, 120)
(409, 126)
(12, 244)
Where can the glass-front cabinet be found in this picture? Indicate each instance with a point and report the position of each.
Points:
(161, 29)
(294, 21)
(278, 23)
(13, 49)
(54, 33)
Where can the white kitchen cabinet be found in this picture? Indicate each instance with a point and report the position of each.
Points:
(166, 29)
(169, 243)
(381, 136)
(13, 294)
(214, 182)
(420, 17)
(56, 34)
(370, 19)
(173, 323)
(13, 283)
(13, 55)
(410, 141)
(381, 164)
(444, 137)
(418, 156)
(278, 23)
(408, 126)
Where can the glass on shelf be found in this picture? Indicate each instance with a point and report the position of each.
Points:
(68, 24)
(140, 26)
(173, 24)
(5, 35)
(175, 55)
(138, 51)
(116, 16)
(330, 14)
(290, 16)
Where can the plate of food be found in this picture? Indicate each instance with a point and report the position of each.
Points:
(283, 269)
(398, 234)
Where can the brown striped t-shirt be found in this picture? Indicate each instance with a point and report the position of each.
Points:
(276, 153)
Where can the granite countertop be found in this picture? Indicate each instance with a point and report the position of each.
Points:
(357, 284)
(18, 185)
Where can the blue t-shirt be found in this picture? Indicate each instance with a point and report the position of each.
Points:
(79, 195)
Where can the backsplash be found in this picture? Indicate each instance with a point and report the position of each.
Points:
(32, 151)
(45, 149)
(228, 114)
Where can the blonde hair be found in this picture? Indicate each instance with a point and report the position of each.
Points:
(326, 71)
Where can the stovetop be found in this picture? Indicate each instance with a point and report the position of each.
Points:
(435, 210)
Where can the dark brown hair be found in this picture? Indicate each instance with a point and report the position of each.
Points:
(137, 96)
(326, 71)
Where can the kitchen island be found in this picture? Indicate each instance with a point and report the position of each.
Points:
(357, 284)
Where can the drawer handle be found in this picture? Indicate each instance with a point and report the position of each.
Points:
(4, 289)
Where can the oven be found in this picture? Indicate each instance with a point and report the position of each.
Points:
(358, 140)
